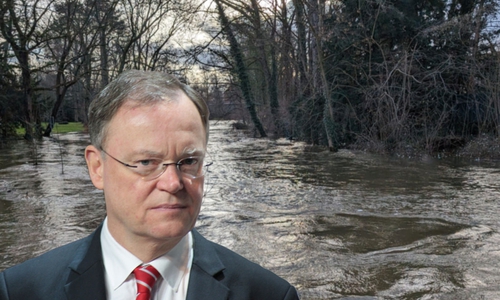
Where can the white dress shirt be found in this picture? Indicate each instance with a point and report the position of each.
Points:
(174, 267)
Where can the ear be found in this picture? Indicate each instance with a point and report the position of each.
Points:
(95, 166)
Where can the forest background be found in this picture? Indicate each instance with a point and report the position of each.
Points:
(391, 76)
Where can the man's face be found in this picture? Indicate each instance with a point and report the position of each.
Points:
(164, 209)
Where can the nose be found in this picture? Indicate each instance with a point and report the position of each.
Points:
(171, 180)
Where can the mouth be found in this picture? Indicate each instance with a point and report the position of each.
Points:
(170, 207)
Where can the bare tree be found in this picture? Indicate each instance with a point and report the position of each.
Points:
(23, 25)
(68, 51)
(150, 26)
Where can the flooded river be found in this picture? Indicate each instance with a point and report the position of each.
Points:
(340, 225)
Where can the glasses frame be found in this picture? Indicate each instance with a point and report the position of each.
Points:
(178, 165)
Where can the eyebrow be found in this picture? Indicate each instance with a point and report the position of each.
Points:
(149, 153)
(191, 151)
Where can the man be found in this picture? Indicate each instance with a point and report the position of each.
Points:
(148, 143)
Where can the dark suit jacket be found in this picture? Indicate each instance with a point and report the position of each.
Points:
(76, 271)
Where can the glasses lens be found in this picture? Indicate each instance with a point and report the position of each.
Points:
(191, 166)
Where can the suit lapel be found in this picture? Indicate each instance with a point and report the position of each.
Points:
(205, 272)
(86, 274)
(204, 286)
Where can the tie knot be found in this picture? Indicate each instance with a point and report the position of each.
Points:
(145, 276)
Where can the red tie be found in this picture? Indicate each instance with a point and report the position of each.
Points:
(145, 276)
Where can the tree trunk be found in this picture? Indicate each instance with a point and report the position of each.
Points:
(320, 83)
(60, 93)
(103, 46)
(241, 70)
(29, 114)
(301, 46)
(273, 93)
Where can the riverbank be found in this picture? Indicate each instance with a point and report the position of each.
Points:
(484, 147)
(62, 127)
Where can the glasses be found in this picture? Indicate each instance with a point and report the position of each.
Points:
(150, 169)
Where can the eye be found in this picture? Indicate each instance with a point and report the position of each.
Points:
(189, 161)
(145, 162)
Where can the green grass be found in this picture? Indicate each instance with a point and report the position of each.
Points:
(58, 128)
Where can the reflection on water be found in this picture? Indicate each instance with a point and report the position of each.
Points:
(337, 225)
(44, 201)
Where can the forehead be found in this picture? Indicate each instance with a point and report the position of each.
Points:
(176, 118)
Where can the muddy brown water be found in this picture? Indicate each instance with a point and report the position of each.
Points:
(340, 225)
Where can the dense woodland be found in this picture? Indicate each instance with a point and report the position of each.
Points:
(383, 75)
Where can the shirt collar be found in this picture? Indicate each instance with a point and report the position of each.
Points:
(119, 262)
(174, 265)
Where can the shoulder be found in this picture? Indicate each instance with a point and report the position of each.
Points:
(46, 273)
(242, 276)
(53, 259)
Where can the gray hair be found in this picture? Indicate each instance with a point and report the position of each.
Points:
(143, 88)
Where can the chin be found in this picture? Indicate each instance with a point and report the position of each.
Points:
(171, 231)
